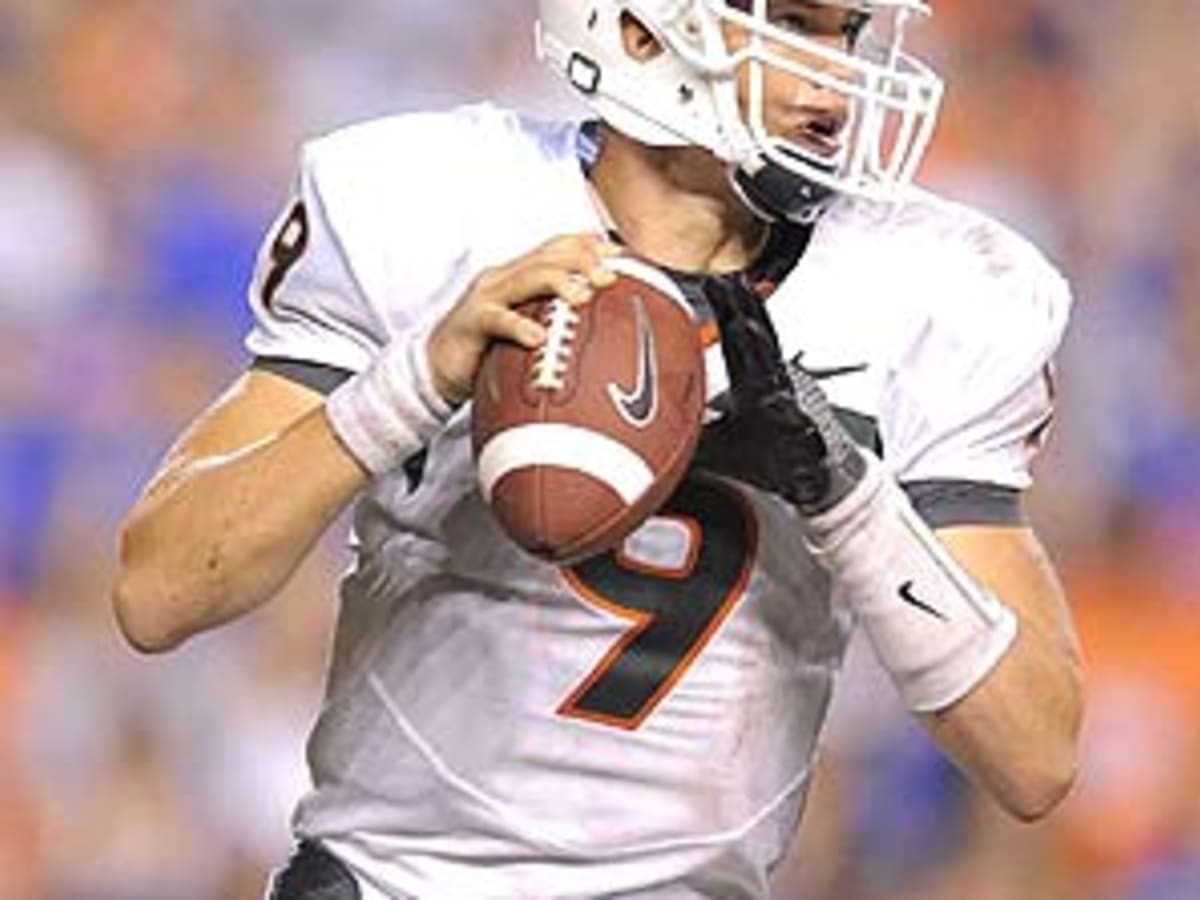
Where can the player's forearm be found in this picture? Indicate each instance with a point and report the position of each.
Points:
(972, 628)
(1017, 732)
(216, 538)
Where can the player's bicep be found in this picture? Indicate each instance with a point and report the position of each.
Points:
(255, 407)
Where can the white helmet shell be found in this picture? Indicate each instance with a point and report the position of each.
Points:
(688, 94)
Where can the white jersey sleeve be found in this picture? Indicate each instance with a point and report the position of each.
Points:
(372, 241)
(306, 301)
(972, 396)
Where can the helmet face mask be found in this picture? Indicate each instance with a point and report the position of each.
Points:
(864, 109)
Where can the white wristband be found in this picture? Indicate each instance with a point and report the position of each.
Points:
(390, 410)
(935, 630)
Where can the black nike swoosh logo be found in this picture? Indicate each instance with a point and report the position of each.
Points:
(638, 406)
(821, 374)
(907, 595)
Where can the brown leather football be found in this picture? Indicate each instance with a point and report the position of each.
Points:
(578, 442)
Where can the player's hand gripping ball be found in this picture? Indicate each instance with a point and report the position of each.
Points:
(577, 442)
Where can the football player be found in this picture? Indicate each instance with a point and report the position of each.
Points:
(644, 724)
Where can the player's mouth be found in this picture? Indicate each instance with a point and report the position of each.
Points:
(820, 133)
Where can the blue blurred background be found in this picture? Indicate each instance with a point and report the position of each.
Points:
(144, 147)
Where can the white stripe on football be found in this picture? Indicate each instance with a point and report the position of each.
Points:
(564, 447)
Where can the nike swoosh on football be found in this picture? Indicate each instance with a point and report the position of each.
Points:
(821, 374)
(907, 595)
(638, 406)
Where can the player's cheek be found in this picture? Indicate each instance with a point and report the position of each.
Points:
(780, 92)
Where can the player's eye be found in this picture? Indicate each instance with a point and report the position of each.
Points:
(821, 23)
(797, 23)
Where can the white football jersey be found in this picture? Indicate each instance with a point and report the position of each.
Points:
(642, 725)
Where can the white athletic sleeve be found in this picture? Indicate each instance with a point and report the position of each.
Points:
(972, 398)
(374, 241)
(306, 301)
(399, 214)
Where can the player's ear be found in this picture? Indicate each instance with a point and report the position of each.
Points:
(639, 43)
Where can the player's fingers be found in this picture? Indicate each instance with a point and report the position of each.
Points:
(501, 323)
(583, 254)
(535, 280)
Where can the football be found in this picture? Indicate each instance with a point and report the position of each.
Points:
(578, 442)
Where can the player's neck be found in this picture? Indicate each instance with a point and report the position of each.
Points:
(674, 206)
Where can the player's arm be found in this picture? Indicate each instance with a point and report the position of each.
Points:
(1016, 731)
(970, 625)
(236, 505)
(256, 480)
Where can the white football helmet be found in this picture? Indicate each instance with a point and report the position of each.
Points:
(688, 94)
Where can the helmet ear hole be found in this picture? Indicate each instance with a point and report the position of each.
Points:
(637, 39)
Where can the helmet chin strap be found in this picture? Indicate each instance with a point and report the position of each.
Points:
(776, 194)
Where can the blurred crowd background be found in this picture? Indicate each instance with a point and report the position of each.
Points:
(144, 147)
